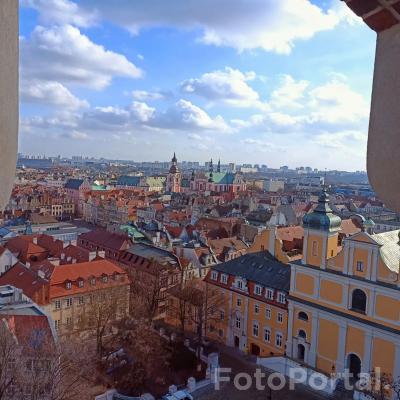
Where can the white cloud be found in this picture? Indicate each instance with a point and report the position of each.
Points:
(229, 86)
(289, 94)
(64, 54)
(141, 111)
(267, 24)
(51, 93)
(62, 12)
(144, 95)
(186, 115)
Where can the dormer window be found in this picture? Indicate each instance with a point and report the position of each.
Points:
(239, 285)
(257, 290)
(68, 285)
(214, 275)
(104, 278)
(269, 294)
(93, 281)
(80, 283)
(224, 278)
(281, 298)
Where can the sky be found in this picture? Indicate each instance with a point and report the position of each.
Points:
(275, 82)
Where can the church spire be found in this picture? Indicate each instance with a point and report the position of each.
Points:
(219, 166)
(211, 178)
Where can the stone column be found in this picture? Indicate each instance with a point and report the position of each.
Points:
(8, 96)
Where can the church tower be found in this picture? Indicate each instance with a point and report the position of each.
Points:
(321, 230)
(174, 177)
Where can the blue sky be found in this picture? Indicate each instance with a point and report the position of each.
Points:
(260, 81)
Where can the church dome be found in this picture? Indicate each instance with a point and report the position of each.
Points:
(322, 218)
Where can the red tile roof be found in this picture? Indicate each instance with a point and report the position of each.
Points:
(85, 271)
(26, 280)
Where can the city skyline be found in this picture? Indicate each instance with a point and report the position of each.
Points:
(140, 84)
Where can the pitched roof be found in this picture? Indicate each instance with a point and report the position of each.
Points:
(107, 239)
(126, 180)
(390, 248)
(23, 278)
(260, 268)
(223, 178)
(73, 184)
(220, 246)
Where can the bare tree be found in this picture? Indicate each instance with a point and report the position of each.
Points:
(10, 368)
(100, 313)
(36, 367)
(379, 386)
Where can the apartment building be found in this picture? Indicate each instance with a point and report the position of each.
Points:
(253, 316)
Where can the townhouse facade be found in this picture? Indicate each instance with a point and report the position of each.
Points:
(253, 315)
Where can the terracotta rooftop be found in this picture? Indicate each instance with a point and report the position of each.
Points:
(379, 15)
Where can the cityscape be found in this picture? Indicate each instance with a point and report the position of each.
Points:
(202, 203)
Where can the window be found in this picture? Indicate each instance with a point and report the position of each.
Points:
(278, 340)
(69, 322)
(239, 302)
(104, 278)
(359, 301)
(222, 315)
(256, 308)
(224, 278)
(255, 329)
(315, 248)
(267, 335)
(270, 294)
(214, 275)
(221, 333)
(68, 302)
(57, 324)
(81, 300)
(268, 313)
(360, 266)
(68, 285)
(57, 304)
(281, 298)
(238, 322)
(257, 290)
(280, 317)
(302, 334)
(80, 283)
(303, 316)
(239, 284)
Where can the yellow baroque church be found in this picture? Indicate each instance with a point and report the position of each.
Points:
(344, 301)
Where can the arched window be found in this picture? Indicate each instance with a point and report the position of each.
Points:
(302, 334)
(303, 316)
(359, 301)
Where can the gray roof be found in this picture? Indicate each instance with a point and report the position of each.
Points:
(73, 184)
(260, 268)
(126, 180)
(148, 251)
(390, 248)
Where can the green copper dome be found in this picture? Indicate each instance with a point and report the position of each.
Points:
(322, 218)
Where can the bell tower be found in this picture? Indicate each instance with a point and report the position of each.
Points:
(321, 230)
(174, 177)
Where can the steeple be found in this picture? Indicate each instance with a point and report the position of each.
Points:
(193, 176)
(174, 159)
(211, 178)
(219, 166)
(322, 218)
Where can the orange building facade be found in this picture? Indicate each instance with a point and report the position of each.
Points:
(344, 302)
(254, 314)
